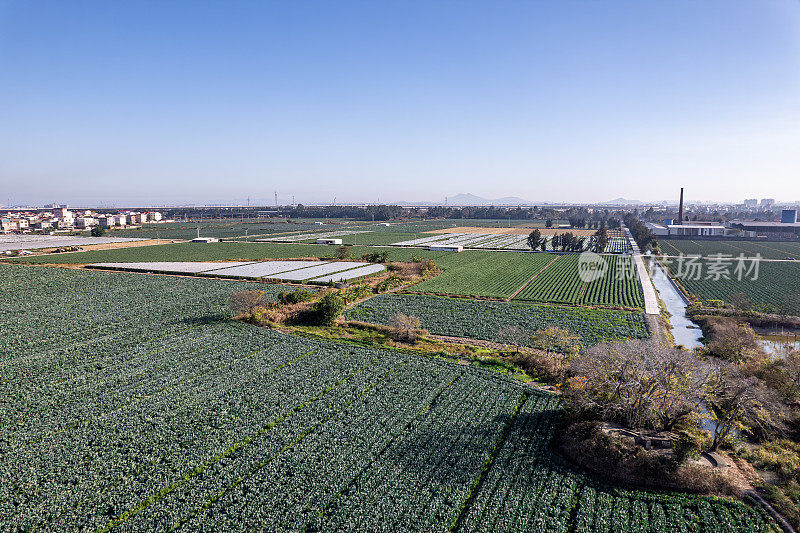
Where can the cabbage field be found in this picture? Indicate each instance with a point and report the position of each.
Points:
(482, 319)
(132, 403)
(733, 248)
(776, 289)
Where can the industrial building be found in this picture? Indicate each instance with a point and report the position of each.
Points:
(694, 229)
(769, 229)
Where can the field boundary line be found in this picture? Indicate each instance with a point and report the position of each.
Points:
(392, 440)
(142, 398)
(487, 465)
(153, 498)
(531, 280)
(213, 499)
(132, 473)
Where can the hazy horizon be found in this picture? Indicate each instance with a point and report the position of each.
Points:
(152, 103)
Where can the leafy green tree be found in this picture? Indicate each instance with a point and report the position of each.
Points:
(600, 240)
(567, 242)
(548, 223)
(535, 239)
(97, 231)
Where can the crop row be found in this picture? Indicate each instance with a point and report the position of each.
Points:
(479, 319)
(491, 274)
(775, 289)
(619, 286)
(767, 250)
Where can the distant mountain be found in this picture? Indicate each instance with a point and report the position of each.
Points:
(622, 201)
(471, 199)
(511, 200)
(466, 199)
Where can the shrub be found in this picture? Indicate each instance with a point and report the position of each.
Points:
(376, 257)
(688, 446)
(356, 292)
(294, 297)
(327, 309)
(389, 283)
(343, 252)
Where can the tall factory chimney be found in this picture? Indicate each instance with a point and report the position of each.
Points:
(680, 209)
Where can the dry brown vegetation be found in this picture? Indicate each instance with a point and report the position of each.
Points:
(623, 462)
(244, 303)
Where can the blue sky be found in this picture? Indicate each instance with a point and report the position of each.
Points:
(171, 102)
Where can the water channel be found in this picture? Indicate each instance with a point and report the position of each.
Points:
(685, 332)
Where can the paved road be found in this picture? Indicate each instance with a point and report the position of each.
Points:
(651, 306)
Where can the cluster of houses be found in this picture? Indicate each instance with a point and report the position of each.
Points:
(62, 218)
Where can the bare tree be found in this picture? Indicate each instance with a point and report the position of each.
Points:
(790, 365)
(638, 383)
(404, 327)
(732, 341)
(513, 336)
(558, 342)
(245, 302)
(739, 401)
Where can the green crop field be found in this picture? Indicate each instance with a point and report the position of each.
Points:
(480, 319)
(491, 274)
(130, 402)
(776, 289)
(560, 283)
(223, 229)
(767, 250)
